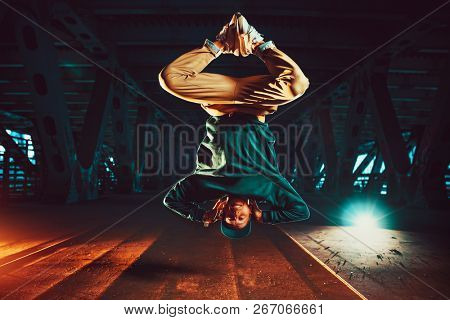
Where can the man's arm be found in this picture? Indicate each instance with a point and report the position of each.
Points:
(184, 199)
(287, 206)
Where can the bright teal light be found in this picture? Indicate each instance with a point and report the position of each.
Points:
(358, 161)
(365, 220)
(25, 142)
(363, 214)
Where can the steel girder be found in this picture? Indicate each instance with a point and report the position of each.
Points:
(50, 110)
(328, 148)
(433, 151)
(359, 87)
(123, 149)
(92, 134)
(388, 133)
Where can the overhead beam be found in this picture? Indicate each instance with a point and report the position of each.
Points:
(293, 10)
(182, 35)
(388, 51)
(102, 53)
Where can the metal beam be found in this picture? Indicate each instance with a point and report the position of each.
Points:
(433, 152)
(312, 152)
(328, 147)
(143, 118)
(123, 147)
(222, 11)
(62, 12)
(15, 152)
(417, 165)
(370, 155)
(359, 88)
(390, 49)
(92, 134)
(50, 110)
(374, 184)
(99, 51)
(305, 152)
(387, 129)
(93, 127)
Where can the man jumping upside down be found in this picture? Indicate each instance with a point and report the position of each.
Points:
(236, 161)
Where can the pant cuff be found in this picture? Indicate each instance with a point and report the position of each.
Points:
(263, 47)
(213, 48)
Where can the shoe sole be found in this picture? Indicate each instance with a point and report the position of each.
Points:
(241, 37)
(234, 25)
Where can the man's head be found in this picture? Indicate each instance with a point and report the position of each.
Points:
(236, 222)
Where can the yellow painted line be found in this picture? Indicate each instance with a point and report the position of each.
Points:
(348, 285)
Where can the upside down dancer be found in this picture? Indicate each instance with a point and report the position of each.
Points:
(236, 161)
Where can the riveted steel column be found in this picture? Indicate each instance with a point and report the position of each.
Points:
(387, 128)
(92, 134)
(50, 110)
(308, 170)
(328, 146)
(374, 184)
(143, 118)
(303, 162)
(123, 148)
(433, 152)
(352, 131)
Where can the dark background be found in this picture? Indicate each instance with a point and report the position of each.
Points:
(376, 89)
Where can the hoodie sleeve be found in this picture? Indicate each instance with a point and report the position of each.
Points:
(184, 199)
(287, 206)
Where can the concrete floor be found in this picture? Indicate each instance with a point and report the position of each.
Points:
(408, 258)
(386, 264)
(71, 252)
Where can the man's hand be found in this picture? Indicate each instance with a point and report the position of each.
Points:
(216, 213)
(256, 211)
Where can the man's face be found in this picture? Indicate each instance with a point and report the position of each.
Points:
(237, 213)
